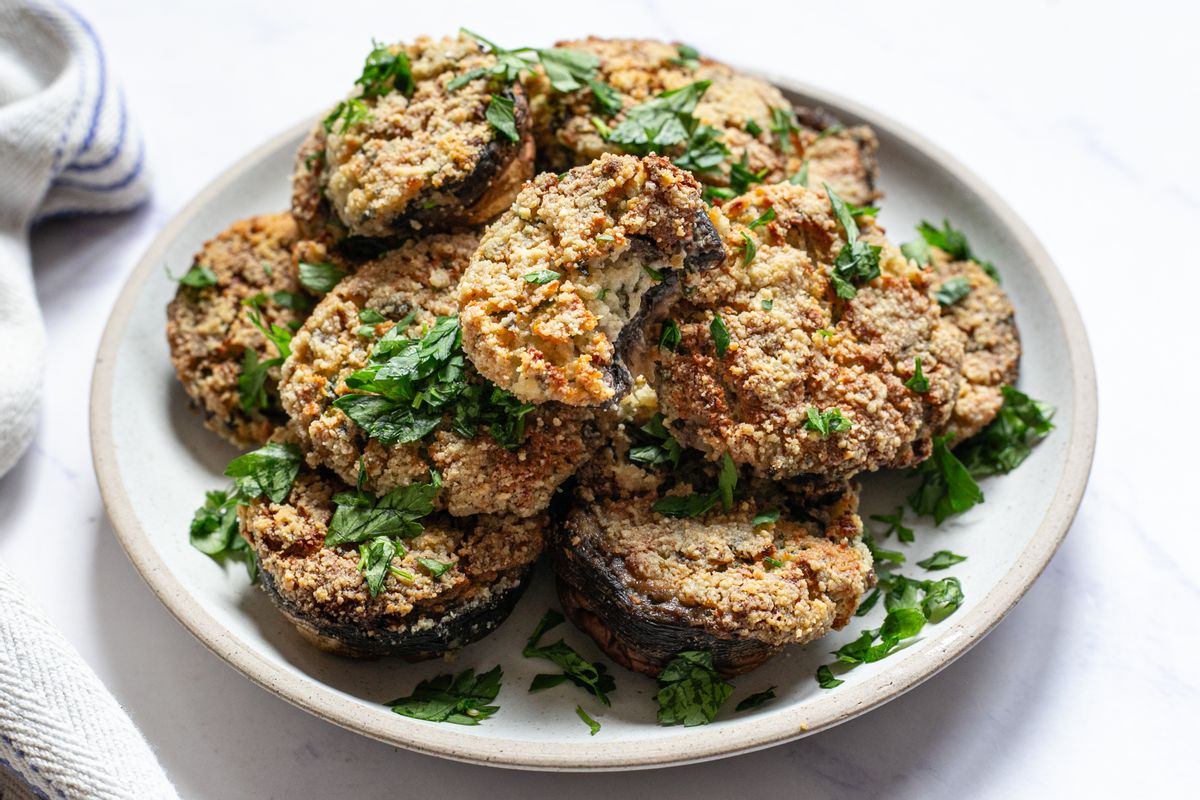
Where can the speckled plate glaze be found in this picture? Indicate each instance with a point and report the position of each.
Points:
(154, 461)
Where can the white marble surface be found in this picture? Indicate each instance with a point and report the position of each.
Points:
(1083, 116)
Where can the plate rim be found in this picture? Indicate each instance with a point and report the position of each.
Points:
(694, 745)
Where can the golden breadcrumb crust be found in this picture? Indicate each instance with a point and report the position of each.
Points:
(640, 69)
(993, 351)
(794, 346)
(479, 475)
(558, 276)
(209, 330)
(321, 585)
(427, 157)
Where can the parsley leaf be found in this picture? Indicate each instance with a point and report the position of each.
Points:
(918, 382)
(463, 700)
(762, 218)
(585, 674)
(942, 559)
(587, 720)
(608, 99)
(1008, 439)
(375, 561)
(952, 290)
(568, 70)
(501, 116)
(361, 516)
(197, 277)
(772, 562)
(768, 304)
(954, 243)
(385, 71)
(252, 382)
(350, 112)
(727, 481)
(435, 568)
(749, 249)
(541, 276)
(828, 421)
(661, 121)
(825, 678)
(670, 336)
(685, 506)
(946, 486)
(268, 471)
(720, 335)
(214, 531)
(857, 262)
(783, 124)
(687, 57)
(766, 518)
(751, 127)
(918, 251)
(741, 176)
(664, 448)
(320, 278)
(895, 523)
(292, 300)
(801, 177)
(690, 690)
(755, 700)
(899, 624)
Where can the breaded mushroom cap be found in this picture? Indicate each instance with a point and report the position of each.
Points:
(479, 475)
(210, 332)
(993, 350)
(421, 158)
(565, 281)
(751, 118)
(795, 349)
(323, 592)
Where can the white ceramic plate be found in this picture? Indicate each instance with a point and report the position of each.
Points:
(154, 461)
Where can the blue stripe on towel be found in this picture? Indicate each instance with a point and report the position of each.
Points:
(120, 183)
(112, 156)
(102, 85)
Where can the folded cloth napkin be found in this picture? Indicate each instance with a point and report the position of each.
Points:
(65, 148)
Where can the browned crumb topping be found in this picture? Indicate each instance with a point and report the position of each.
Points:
(324, 584)
(208, 329)
(993, 351)
(559, 276)
(417, 159)
(794, 346)
(567, 134)
(479, 475)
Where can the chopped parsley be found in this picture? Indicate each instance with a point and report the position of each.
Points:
(691, 692)
(567, 70)
(384, 72)
(741, 176)
(500, 115)
(801, 177)
(895, 523)
(828, 421)
(320, 278)
(197, 277)
(590, 676)
(608, 99)
(435, 568)
(772, 562)
(766, 518)
(661, 121)
(720, 335)
(768, 304)
(410, 385)
(873, 645)
(946, 486)
(751, 127)
(370, 318)
(950, 240)
(749, 249)
(952, 290)
(918, 382)
(663, 449)
(266, 472)
(686, 56)
(605, 237)
(695, 505)
(593, 726)
(292, 300)
(825, 677)
(214, 531)
(1008, 439)
(857, 262)
(541, 276)
(783, 124)
(670, 336)
(832, 130)
(652, 273)
(762, 219)
(349, 112)
(942, 559)
(757, 699)
(462, 700)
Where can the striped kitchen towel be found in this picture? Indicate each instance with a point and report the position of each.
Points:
(66, 147)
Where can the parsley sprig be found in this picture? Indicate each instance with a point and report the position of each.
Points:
(696, 504)
(857, 262)
(946, 485)
(948, 239)
(462, 700)
(691, 692)
(661, 447)
(590, 676)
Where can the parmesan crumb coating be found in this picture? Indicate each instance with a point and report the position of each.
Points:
(706, 579)
(479, 475)
(993, 350)
(433, 158)
(324, 593)
(795, 346)
(567, 134)
(564, 282)
(209, 330)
